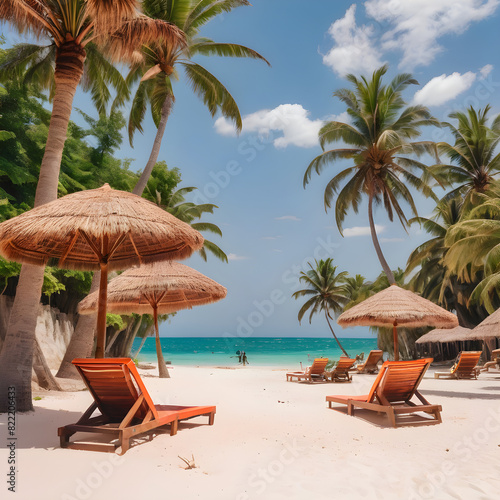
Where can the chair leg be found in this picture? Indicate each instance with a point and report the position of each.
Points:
(173, 427)
(211, 418)
(64, 436)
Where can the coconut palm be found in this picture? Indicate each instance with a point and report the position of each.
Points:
(326, 291)
(162, 61)
(474, 156)
(358, 289)
(69, 26)
(474, 250)
(380, 134)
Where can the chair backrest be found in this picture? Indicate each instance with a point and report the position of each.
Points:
(318, 366)
(115, 385)
(467, 361)
(397, 381)
(344, 364)
(373, 358)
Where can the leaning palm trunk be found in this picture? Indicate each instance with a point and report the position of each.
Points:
(153, 157)
(380, 255)
(335, 336)
(81, 344)
(82, 340)
(16, 358)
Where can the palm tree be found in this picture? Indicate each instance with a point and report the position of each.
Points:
(380, 133)
(327, 292)
(474, 250)
(473, 154)
(432, 279)
(70, 26)
(161, 62)
(358, 289)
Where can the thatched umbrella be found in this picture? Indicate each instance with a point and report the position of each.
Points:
(441, 335)
(98, 229)
(163, 287)
(395, 307)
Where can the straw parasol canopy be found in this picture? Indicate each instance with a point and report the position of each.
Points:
(96, 229)
(395, 307)
(488, 328)
(161, 287)
(440, 335)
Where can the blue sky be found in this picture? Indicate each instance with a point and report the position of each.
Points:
(273, 226)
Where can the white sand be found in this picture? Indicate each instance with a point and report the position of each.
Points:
(273, 440)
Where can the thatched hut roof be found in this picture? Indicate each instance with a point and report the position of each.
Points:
(170, 285)
(488, 328)
(397, 306)
(67, 228)
(457, 334)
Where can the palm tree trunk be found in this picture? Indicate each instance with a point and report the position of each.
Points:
(380, 255)
(16, 358)
(81, 344)
(139, 349)
(335, 336)
(82, 340)
(153, 157)
(162, 366)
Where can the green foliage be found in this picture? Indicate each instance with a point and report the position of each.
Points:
(116, 321)
(189, 16)
(326, 292)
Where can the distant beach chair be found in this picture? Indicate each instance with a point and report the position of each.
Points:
(391, 393)
(495, 361)
(315, 372)
(465, 367)
(341, 371)
(126, 407)
(371, 363)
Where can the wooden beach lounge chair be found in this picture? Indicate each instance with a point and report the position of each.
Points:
(465, 367)
(495, 361)
(371, 363)
(315, 372)
(126, 407)
(341, 371)
(395, 386)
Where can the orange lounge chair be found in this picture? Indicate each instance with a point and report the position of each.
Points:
(371, 363)
(495, 361)
(126, 407)
(341, 371)
(315, 372)
(392, 391)
(465, 367)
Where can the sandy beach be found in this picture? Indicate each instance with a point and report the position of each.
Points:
(271, 439)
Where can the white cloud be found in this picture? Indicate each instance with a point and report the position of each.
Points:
(287, 217)
(444, 88)
(485, 71)
(349, 232)
(354, 49)
(233, 256)
(291, 121)
(417, 25)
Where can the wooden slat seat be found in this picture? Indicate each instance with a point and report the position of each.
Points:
(125, 406)
(465, 367)
(371, 363)
(315, 372)
(341, 371)
(394, 388)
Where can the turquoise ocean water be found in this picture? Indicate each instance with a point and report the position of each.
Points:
(260, 351)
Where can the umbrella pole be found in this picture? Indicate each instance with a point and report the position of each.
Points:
(395, 336)
(162, 367)
(101, 312)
